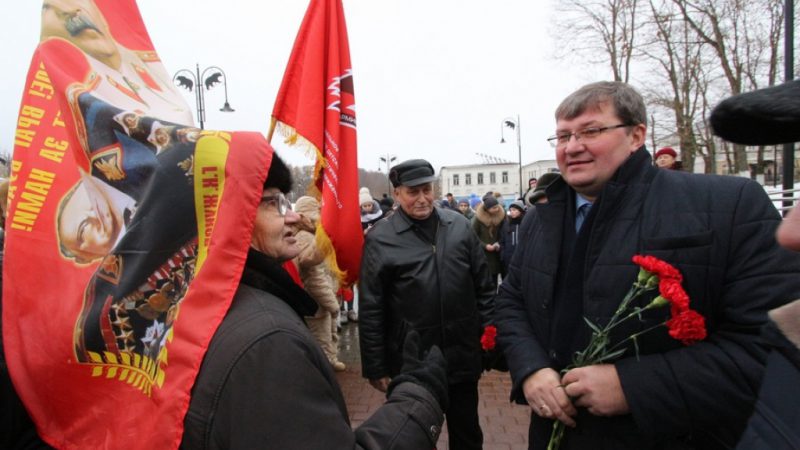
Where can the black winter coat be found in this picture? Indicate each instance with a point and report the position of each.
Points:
(441, 289)
(509, 239)
(719, 232)
(265, 382)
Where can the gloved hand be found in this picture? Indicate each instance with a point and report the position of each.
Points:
(494, 359)
(427, 370)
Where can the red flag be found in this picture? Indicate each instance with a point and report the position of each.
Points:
(127, 232)
(316, 108)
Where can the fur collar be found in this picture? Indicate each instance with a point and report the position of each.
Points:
(488, 218)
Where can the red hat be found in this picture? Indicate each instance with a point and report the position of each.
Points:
(666, 151)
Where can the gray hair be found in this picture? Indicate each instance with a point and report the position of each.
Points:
(628, 103)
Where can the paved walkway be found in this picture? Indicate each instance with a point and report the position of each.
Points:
(505, 425)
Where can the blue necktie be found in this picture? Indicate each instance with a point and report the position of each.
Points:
(580, 215)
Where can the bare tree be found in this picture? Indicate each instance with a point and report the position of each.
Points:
(303, 177)
(735, 30)
(678, 61)
(5, 163)
(377, 182)
(599, 32)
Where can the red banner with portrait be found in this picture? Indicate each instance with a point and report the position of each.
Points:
(315, 108)
(126, 234)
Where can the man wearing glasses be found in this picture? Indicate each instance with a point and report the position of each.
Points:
(574, 262)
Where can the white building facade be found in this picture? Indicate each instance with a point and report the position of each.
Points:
(479, 179)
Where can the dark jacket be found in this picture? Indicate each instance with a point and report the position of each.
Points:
(509, 239)
(265, 383)
(486, 225)
(719, 232)
(441, 289)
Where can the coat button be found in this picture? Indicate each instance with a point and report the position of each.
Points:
(554, 355)
(434, 431)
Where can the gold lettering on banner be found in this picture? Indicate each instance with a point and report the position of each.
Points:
(54, 149)
(31, 199)
(210, 182)
(41, 86)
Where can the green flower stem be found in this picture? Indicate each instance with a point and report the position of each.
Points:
(636, 335)
(556, 436)
(598, 350)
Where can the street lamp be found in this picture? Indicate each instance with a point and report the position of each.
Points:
(388, 159)
(514, 124)
(194, 78)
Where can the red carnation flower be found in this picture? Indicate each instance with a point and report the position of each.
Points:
(672, 290)
(688, 327)
(488, 338)
(660, 268)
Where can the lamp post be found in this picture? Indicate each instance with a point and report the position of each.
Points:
(388, 159)
(514, 124)
(189, 80)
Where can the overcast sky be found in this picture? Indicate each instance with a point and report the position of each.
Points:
(433, 78)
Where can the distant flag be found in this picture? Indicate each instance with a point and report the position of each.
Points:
(315, 109)
(126, 235)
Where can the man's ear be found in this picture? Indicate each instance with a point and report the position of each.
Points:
(638, 136)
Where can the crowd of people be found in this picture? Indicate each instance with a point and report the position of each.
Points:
(547, 272)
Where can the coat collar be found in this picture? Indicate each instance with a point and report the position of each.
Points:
(402, 223)
(489, 218)
(266, 274)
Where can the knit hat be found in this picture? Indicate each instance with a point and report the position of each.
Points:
(307, 206)
(517, 204)
(474, 200)
(541, 186)
(364, 196)
(666, 151)
(490, 201)
(463, 201)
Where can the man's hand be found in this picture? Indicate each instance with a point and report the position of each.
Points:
(596, 388)
(425, 368)
(380, 384)
(546, 396)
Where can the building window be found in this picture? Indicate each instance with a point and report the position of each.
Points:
(480, 177)
(505, 177)
(455, 179)
(492, 178)
(468, 178)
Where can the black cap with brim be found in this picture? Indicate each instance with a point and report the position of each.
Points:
(767, 116)
(413, 172)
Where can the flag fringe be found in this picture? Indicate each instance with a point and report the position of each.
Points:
(325, 245)
(294, 139)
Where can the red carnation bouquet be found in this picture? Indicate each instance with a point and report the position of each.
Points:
(492, 357)
(684, 324)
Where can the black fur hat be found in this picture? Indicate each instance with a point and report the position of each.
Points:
(767, 116)
(279, 176)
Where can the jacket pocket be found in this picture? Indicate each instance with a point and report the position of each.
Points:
(676, 242)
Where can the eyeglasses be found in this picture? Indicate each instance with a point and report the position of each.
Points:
(279, 201)
(585, 135)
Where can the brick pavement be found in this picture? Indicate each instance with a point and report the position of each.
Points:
(505, 425)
